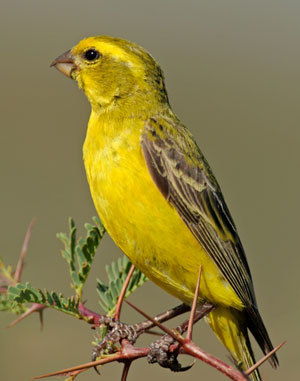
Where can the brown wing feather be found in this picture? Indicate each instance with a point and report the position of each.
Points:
(183, 176)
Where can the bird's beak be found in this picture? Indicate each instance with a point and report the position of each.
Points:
(65, 63)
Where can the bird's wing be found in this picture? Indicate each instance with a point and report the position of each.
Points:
(183, 176)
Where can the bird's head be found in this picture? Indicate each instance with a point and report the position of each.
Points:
(113, 72)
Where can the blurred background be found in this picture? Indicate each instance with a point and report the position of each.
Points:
(232, 73)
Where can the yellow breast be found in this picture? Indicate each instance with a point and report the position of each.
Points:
(141, 222)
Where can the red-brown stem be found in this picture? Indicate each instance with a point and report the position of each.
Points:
(265, 358)
(18, 272)
(190, 347)
(91, 315)
(125, 370)
(94, 317)
(193, 350)
(122, 293)
(129, 353)
(193, 309)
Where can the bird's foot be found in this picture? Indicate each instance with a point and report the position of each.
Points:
(112, 331)
(115, 331)
(164, 351)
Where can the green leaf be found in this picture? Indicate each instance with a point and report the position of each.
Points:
(24, 293)
(117, 273)
(7, 305)
(80, 253)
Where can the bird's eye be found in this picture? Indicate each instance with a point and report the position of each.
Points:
(91, 55)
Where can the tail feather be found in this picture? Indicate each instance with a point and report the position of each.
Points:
(259, 331)
(248, 356)
(230, 327)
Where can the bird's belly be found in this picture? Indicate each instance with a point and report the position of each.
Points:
(150, 232)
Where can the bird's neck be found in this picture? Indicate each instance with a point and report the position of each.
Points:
(139, 100)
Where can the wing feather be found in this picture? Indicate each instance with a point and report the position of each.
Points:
(183, 176)
(190, 187)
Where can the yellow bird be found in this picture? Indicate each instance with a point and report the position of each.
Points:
(156, 194)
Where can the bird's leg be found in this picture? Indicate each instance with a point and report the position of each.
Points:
(115, 330)
(165, 350)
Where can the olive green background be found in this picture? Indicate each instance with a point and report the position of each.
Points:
(232, 73)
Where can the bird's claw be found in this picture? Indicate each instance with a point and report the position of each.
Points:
(159, 352)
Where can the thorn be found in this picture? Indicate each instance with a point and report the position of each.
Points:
(125, 370)
(199, 314)
(34, 308)
(18, 272)
(96, 370)
(175, 336)
(122, 293)
(193, 310)
(265, 358)
(41, 316)
(91, 364)
(130, 353)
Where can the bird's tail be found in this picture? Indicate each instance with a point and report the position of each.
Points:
(230, 327)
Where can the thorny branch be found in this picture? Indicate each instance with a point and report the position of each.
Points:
(126, 352)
